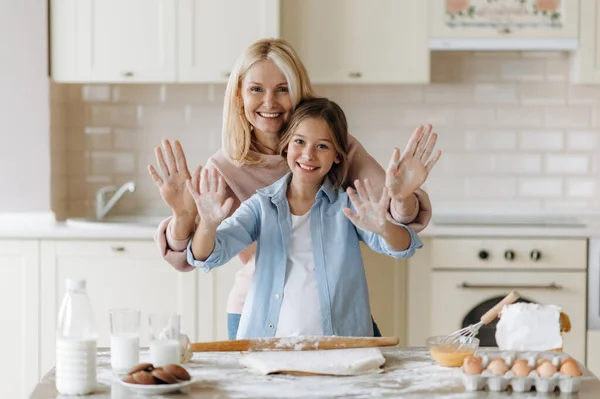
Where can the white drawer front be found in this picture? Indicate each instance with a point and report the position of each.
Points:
(144, 249)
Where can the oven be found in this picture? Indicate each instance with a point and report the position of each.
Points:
(470, 275)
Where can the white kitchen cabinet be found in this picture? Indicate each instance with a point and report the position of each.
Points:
(19, 296)
(356, 41)
(213, 291)
(386, 278)
(119, 274)
(593, 352)
(213, 33)
(418, 294)
(586, 61)
(113, 40)
(504, 19)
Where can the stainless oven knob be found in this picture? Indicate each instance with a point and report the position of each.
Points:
(535, 255)
(483, 254)
(509, 255)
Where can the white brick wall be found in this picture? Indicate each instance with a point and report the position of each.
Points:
(516, 134)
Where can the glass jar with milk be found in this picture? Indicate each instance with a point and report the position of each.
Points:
(164, 338)
(76, 342)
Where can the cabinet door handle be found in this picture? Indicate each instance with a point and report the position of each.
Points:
(551, 286)
(116, 248)
(504, 31)
(226, 74)
(128, 74)
(355, 74)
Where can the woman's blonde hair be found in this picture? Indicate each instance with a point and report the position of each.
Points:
(330, 113)
(237, 134)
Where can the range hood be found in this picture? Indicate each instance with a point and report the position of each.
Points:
(489, 44)
(499, 25)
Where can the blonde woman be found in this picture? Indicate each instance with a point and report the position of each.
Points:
(266, 84)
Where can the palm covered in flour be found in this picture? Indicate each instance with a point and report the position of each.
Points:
(409, 170)
(371, 210)
(209, 196)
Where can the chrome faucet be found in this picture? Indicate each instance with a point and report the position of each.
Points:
(103, 208)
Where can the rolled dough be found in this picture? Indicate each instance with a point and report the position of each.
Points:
(326, 362)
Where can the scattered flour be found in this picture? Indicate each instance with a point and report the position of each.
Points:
(408, 374)
(298, 343)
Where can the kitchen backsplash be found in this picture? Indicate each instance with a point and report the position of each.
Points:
(516, 135)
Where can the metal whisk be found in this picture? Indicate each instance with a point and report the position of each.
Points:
(461, 336)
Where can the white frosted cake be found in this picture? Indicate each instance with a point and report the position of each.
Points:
(529, 327)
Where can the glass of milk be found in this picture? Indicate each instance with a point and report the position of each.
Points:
(124, 339)
(164, 338)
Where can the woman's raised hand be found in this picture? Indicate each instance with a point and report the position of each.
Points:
(371, 212)
(175, 174)
(409, 170)
(209, 193)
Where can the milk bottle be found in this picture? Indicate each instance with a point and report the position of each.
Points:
(75, 342)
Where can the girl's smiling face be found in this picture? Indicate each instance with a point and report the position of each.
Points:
(311, 152)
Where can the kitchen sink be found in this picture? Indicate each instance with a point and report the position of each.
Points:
(116, 221)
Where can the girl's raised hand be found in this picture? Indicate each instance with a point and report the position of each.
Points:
(209, 195)
(371, 212)
(409, 170)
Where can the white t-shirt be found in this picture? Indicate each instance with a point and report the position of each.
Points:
(300, 312)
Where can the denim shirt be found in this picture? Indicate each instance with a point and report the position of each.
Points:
(339, 270)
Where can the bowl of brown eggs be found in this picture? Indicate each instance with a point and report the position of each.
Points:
(522, 371)
(451, 353)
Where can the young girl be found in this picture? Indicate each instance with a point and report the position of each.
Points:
(309, 277)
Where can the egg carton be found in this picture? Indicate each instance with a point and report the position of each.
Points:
(478, 382)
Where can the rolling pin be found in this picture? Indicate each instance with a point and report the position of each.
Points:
(293, 344)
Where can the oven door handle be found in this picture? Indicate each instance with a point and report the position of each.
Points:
(551, 286)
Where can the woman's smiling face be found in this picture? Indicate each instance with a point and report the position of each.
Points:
(266, 98)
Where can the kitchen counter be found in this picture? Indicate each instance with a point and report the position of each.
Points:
(587, 231)
(44, 226)
(60, 230)
(585, 226)
(514, 225)
(409, 373)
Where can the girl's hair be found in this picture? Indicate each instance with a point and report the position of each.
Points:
(330, 113)
(237, 134)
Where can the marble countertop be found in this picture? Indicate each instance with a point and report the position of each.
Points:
(409, 373)
(16, 226)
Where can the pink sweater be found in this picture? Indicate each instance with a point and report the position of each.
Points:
(242, 184)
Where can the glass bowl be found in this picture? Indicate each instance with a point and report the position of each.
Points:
(451, 354)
